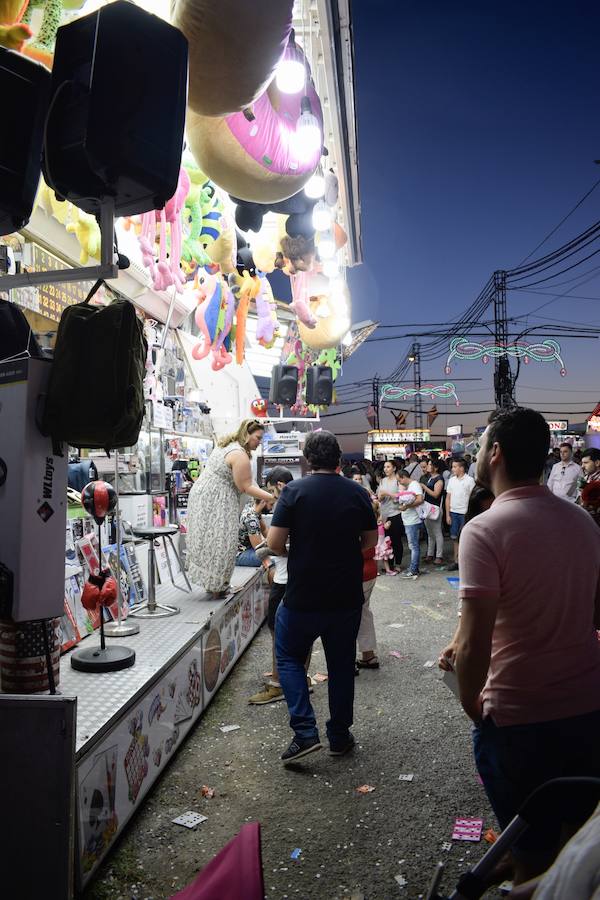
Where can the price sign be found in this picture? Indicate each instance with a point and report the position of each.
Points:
(50, 299)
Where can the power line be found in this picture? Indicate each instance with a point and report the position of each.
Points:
(562, 221)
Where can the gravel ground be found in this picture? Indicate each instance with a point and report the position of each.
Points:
(353, 845)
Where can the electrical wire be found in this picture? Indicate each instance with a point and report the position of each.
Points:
(551, 258)
(562, 221)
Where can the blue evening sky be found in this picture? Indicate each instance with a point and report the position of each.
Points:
(479, 124)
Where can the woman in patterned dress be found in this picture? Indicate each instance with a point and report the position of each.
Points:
(214, 507)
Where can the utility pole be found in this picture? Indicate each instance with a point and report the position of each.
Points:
(504, 385)
(415, 358)
(376, 400)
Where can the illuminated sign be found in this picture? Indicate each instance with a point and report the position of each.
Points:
(559, 425)
(454, 430)
(398, 435)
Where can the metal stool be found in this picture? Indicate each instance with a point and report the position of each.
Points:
(150, 608)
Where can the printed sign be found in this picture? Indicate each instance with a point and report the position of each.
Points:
(559, 425)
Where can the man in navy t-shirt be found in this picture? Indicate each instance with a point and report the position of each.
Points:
(330, 521)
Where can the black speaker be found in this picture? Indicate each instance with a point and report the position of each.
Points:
(284, 385)
(319, 385)
(117, 112)
(25, 91)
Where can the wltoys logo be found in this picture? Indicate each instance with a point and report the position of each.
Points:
(48, 479)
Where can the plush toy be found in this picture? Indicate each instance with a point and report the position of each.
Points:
(268, 325)
(214, 318)
(258, 408)
(87, 231)
(42, 46)
(330, 310)
(223, 251)
(245, 287)
(166, 274)
(234, 49)
(300, 302)
(262, 154)
(13, 31)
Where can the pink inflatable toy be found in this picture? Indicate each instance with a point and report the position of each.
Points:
(257, 154)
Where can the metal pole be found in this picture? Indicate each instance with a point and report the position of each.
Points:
(119, 628)
(416, 353)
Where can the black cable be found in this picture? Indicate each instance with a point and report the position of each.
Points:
(556, 254)
(555, 262)
(568, 269)
(562, 221)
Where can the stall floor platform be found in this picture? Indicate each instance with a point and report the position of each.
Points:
(102, 698)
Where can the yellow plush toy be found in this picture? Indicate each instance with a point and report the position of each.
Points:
(13, 33)
(86, 230)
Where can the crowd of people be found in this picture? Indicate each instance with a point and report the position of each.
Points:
(524, 529)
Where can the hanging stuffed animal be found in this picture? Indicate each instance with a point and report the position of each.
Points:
(87, 231)
(214, 318)
(300, 299)
(165, 274)
(13, 31)
(268, 325)
(245, 287)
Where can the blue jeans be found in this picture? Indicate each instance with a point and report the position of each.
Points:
(513, 760)
(413, 536)
(457, 523)
(248, 558)
(295, 633)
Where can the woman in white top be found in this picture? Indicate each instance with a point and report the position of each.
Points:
(387, 493)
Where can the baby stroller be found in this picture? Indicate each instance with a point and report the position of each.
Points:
(561, 800)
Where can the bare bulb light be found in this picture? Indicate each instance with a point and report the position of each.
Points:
(327, 248)
(315, 187)
(347, 339)
(290, 76)
(307, 137)
(321, 217)
(331, 268)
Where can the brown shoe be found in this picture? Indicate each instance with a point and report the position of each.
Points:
(438, 561)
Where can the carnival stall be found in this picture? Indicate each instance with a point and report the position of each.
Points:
(266, 185)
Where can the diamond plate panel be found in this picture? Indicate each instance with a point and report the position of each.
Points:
(103, 697)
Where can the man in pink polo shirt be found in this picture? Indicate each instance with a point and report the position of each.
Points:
(526, 652)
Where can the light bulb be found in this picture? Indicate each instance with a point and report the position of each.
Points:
(323, 311)
(307, 138)
(326, 248)
(290, 76)
(315, 186)
(331, 268)
(321, 217)
(347, 339)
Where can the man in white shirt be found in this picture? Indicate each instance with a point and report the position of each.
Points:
(411, 520)
(565, 475)
(458, 492)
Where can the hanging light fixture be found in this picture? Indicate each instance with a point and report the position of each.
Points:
(315, 186)
(326, 246)
(321, 217)
(307, 137)
(290, 74)
(331, 268)
(323, 310)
